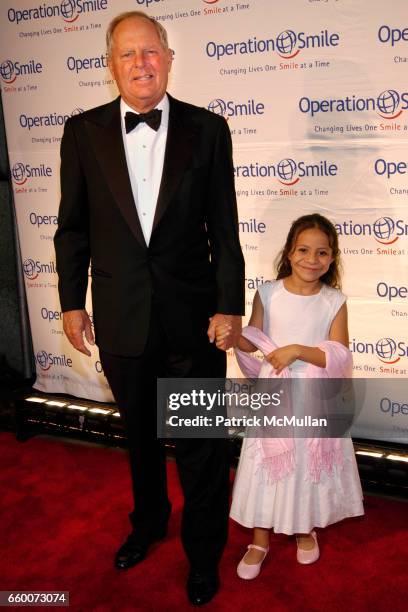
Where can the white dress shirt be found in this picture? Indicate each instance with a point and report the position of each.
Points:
(144, 150)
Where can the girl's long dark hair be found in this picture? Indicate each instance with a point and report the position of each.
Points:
(332, 276)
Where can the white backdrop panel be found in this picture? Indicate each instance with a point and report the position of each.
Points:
(316, 98)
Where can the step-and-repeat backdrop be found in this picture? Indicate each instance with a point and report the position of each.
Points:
(316, 96)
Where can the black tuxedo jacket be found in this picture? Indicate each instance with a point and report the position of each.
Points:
(193, 266)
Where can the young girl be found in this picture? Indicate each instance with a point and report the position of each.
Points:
(301, 309)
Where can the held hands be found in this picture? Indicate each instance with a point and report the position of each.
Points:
(225, 330)
(222, 333)
(76, 323)
(282, 357)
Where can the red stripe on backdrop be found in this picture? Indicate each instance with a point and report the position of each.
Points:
(63, 515)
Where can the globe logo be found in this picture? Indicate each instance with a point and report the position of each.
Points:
(77, 111)
(386, 349)
(7, 71)
(287, 169)
(43, 360)
(217, 106)
(388, 102)
(29, 269)
(286, 42)
(384, 229)
(18, 172)
(68, 9)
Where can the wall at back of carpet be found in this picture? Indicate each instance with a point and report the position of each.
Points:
(316, 99)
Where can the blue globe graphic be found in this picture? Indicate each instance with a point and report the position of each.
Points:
(42, 359)
(7, 70)
(217, 106)
(29, 268)
(286, 41)
(68, 8)
(388, 101)
(384, 228)
(287, 169)
(18, 172)
(386, 348)
(77, 111)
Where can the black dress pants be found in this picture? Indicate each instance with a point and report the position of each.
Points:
(203, 464)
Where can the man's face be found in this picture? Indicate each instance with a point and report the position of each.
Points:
(139, 64)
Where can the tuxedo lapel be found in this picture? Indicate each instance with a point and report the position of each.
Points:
(179, 149)
(106, 136)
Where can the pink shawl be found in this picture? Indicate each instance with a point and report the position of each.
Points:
(276, 456)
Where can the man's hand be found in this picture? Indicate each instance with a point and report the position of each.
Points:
(76, 323)
(235, 324)
(222, 333)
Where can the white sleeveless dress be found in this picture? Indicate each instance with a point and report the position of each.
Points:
(295, 504)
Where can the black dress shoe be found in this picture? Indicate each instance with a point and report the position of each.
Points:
(134, 550)
(201, 587)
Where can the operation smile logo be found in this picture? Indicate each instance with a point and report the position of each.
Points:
(230, 108)
(45, 360)
(287, 44)
(389, 104)
(288, 172)
(146, 3)
(388, 169)
(52, 119)
(391, 292)
(68, 10)
(393, 407)
(42, 360)
(387, 350)
(33, 268)
(10, 70)
(77, 64)
(20, 172)
(392, 35)
(385, 230)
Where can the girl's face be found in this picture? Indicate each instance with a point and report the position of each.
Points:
(311, 255)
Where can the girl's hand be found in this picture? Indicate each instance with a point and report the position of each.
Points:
(222, 332)
(282, 357)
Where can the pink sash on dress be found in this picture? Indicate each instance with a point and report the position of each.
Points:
(276, 456)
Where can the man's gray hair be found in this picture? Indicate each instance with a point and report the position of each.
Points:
(161, 32)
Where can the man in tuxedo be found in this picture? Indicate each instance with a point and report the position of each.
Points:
(147, 196)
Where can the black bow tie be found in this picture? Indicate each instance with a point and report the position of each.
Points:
(152, 118)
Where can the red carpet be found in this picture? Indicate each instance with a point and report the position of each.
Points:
(63, 514)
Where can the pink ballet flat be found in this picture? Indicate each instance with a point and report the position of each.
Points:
(305, 557)
(249, 572)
